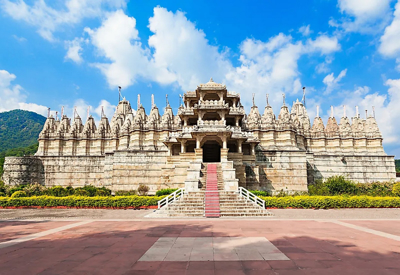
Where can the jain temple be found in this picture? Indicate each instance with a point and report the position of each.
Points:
(258, 150)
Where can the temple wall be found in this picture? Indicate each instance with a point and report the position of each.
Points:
(359, 168)
(23, 170)
(272, 170)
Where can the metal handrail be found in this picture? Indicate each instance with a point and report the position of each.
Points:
(171, 197)
(251, 197)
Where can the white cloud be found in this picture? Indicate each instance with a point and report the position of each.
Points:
(390, 42)
(180, 54)
(13, 97)
(333, 83)
(324, 66)
(74, 50)
(48, 20)
(365, 16)
(19, 39)
(305, 30)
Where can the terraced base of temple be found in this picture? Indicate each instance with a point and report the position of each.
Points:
(192, 204)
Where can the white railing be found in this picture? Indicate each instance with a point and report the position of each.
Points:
(171, 198)
(251, 197)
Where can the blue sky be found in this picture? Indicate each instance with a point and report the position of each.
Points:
(76, 53)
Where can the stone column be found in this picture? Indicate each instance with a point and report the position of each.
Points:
(198, 143)
(183, 147)
(253, 151)
(237, 121)
(239, 145)
(224, 143)
(185, 121)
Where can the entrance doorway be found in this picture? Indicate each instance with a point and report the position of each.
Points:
(211, 151)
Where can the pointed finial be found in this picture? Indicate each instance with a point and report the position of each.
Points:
(56, 115)
(180, 100)
(62, 112)
(211, 79)
(48, 112)
(304, 96)
(88, 111)
(119, 93)
(366, 114)
(344, 110)
(373, 111)
(102, 112)
(331, 111)
(267, 100)
(283, 95)
(75, 113)
(253, 100)
(138, 101)
(317, 110)
(166, 100)
(152, 101)
(357, 114)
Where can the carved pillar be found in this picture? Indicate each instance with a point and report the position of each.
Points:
(224, 143)
(237, 121)
(253, 151)
(239, 145)
(183, 146)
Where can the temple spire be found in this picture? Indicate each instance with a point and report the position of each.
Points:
(138, 101)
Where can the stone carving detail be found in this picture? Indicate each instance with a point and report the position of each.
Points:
(345, 128)
(332, 128)
(254, 118)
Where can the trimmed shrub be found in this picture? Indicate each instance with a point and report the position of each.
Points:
(2, 194)
(166, 191)
(56, 191)
(125, 193)
(12, 190)
(396, 189)
(18, 194)
(91, 190)
(338, 185)
(102, 193)
(143, 190)
(79, 201)
(81, 192)
(35, 189)
(260, 193)
(318, 189)
(331, 202)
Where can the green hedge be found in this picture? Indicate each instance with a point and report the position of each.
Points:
(331, 202)
(81, 201)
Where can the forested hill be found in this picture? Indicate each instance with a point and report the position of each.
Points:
(19, 128)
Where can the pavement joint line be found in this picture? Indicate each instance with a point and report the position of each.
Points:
(367, 230)
(41, 234)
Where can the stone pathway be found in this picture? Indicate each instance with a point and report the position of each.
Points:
(203, 246)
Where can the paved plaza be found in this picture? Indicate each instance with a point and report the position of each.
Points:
(292, 242)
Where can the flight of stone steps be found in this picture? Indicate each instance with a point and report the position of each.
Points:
(217, 203)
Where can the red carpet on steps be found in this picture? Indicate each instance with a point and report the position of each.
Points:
(212, 194)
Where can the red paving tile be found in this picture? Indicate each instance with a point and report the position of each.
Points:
(10, 230)
(115, 247)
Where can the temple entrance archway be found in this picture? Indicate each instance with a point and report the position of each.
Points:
(211, 151)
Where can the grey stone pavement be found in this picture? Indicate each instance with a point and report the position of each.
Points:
(279, 214)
